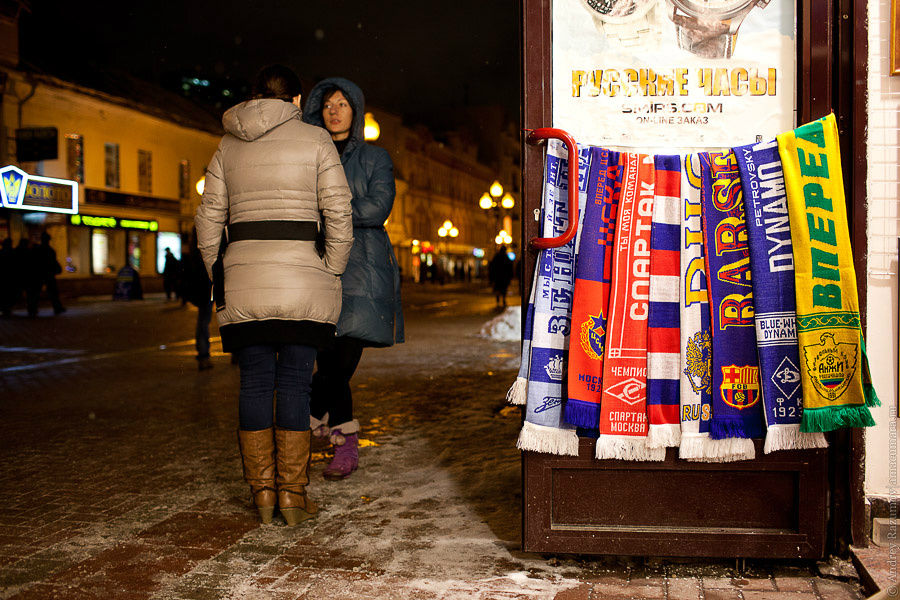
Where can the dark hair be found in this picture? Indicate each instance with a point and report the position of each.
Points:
(277, 81)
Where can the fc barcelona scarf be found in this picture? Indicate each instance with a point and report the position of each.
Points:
(695, 383)
(663, 342)
(772, 264)
(544, 429)
(592, 278)
(623, 424)
(833, 362)
(737, 412)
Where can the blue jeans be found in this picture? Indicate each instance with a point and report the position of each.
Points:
(286, 369)
(201, 334)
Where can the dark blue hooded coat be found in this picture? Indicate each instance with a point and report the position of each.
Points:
(371, 308)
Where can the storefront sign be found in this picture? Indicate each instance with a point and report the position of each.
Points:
(113, 222)
(673, 73)
(22, 191)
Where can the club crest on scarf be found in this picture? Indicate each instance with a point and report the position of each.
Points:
(740, 386)
(698, 354)
(786, 378)
(592, 336)
(831, 365)
(554, 368)
(631, 391)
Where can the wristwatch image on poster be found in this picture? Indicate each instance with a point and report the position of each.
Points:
(674, 73)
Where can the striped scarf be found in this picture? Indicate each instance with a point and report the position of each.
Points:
(592, 280)
(544, 429)
(623, 424)
(737, 413)
(663, 342)
(772, 264)
(834, 366)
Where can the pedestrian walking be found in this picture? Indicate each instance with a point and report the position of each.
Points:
(371, 315)
(270, 181)
(171, 272)
(197, 289)
(500, 273)
(43, 269)
(7, 277)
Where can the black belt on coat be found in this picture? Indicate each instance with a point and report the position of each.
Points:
(273, 230)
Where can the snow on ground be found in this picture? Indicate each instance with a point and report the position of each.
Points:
(505, 327)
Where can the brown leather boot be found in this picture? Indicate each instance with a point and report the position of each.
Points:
(293, 475)
(258, 455)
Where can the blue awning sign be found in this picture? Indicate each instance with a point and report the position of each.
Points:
(22, 191)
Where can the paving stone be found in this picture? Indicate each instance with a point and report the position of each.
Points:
(767, 595)
(683, 589)
(582, 592)
(837, 590)
(722, 594)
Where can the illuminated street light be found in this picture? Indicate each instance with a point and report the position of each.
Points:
(201, 185)
(508, 201)
(453, 232)
(448, 224)
(371, 130)
(496, 189)
(486, 202)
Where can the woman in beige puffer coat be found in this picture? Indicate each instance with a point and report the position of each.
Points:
(271, 182)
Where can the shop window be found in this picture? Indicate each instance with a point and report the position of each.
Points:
(145, 171)
(75, 157)
(184, 179)
(133, 252)
(111, 152)
(99, 251)
(166, 239)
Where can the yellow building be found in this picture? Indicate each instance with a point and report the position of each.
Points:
(136, 166)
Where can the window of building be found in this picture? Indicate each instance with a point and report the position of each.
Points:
(184, 179)
(112, 165)
(75, 157)
(99, 251)
(145, 171)
(166, 240)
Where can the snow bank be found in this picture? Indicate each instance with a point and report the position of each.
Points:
(505, 327)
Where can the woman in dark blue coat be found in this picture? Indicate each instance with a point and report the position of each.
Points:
(370, 313)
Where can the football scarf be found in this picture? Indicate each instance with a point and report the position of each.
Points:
(516, 393)
(737, 412)
(592, 279)
(623, 422)
(663, 341)
(695, 383)
(772, 265)
(833, 362)
(544, 429)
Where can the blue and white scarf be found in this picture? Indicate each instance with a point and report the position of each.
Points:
(544, 429)
(772, 264)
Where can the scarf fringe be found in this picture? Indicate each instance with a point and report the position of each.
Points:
(702, 448)
(516, 394)
(831, 418)
(733, 427)
(582, 414)
(789, 437)
(871, 396)
(549, 440)
(626, 447)
(664, 435)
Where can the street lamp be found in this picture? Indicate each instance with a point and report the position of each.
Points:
(371, 130)
(493, 200)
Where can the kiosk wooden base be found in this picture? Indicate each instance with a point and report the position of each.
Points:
(771, 507)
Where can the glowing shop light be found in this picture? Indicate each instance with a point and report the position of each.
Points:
(371, 130)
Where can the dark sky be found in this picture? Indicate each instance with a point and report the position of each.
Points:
(424, 60)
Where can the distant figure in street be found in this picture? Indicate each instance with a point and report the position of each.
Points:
(43, 271)
(170, 274)
(7, 277)
(271, 180)
(500, 272)
(23, 269)
(371, 314)
(197, 289)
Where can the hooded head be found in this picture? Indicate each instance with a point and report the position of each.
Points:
(274, 90)
(312, 111)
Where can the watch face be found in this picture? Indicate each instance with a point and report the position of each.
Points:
(619, 11)
(714, 9)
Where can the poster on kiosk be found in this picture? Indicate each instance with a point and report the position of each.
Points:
(673, 74)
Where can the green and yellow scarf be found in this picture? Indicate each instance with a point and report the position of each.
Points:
(834, 369)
